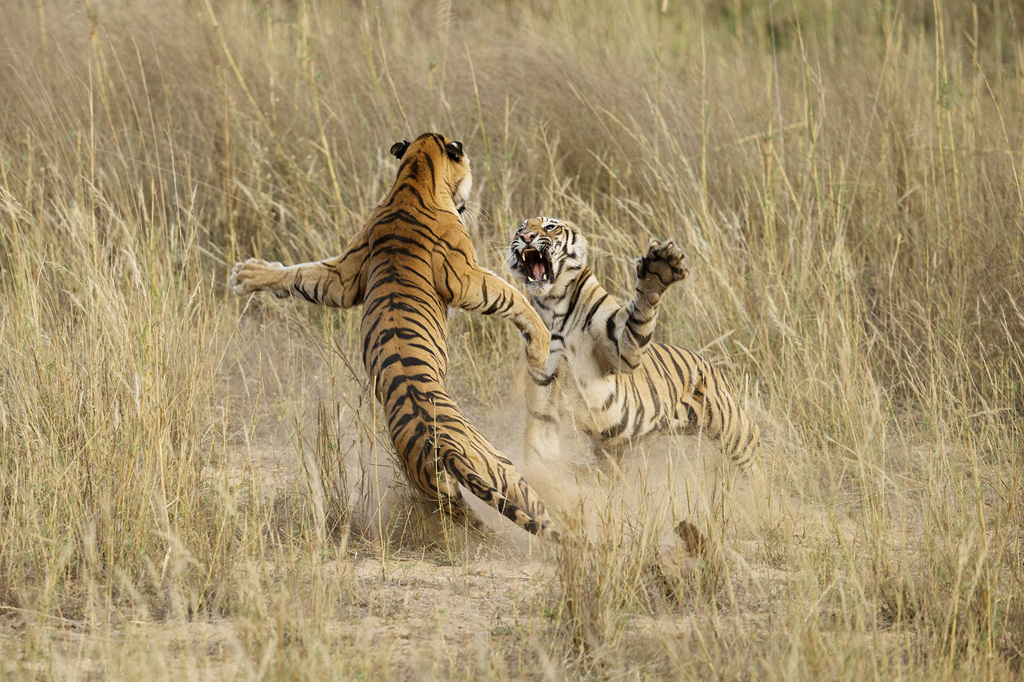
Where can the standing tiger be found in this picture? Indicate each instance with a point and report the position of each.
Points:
(625, 386)
(409, 263)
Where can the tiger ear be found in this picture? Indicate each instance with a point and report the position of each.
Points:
(454, 150)
(398, 148)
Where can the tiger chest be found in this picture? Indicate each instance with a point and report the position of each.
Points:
(594, 397)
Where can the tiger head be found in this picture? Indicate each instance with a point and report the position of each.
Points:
(435, 160)
(547, 254)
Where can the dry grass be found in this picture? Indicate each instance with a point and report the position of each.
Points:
(193, 484)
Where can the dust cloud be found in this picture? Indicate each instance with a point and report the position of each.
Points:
(655, 485)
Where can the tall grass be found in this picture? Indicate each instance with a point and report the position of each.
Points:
(845, 178)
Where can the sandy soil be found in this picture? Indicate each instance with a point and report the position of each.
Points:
(421, 612)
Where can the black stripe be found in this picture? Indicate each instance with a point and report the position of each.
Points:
(593, 311)
(546, 381)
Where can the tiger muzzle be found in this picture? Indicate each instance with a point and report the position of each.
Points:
(535, 264)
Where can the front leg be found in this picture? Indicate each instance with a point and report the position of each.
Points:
(481, 291)
(542, 407)
(338, 282)
(633, 326)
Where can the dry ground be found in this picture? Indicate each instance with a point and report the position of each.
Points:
(194, 485)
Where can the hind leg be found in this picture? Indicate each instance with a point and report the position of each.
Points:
(440, 493)
(542, 409)
(689, 417)
(456, 508)
(607, 457)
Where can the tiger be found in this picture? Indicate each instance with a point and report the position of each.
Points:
(410, 262)
(602, 365)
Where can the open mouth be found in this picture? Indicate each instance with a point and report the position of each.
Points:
(536, 266)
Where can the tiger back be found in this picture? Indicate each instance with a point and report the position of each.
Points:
(411, 261)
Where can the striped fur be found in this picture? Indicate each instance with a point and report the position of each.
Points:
(409, 263)
(603, 367)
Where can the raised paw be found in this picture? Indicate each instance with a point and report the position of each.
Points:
(537, 346)
(257, 274)
(663, 264)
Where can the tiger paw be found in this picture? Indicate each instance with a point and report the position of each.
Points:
(537, 346)
(663, 264)
(256, 274)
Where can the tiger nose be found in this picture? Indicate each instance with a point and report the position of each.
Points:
(528, 236)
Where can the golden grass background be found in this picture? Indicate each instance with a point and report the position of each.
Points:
(180, 469)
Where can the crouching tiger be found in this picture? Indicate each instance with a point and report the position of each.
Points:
(409, 263)
(602, 364)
